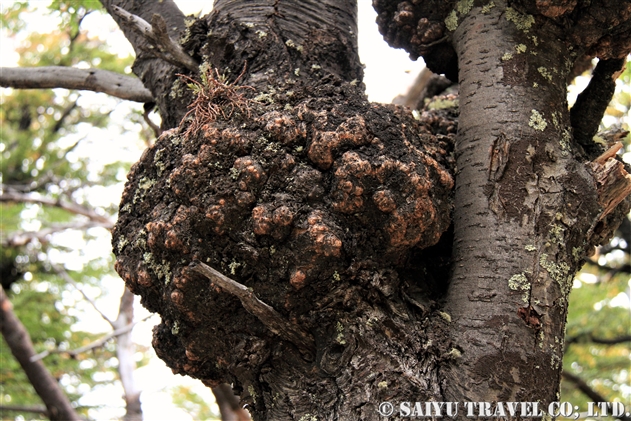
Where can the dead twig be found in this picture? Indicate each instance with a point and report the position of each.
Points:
(265, 313)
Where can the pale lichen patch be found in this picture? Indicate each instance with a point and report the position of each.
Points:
(537, 121)
(545, 73)
(522, 22)
(487, 8)
(451, 21)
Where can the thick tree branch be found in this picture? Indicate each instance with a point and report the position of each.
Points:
(16, 336)
(69, 206)
(111, 83)
(592, 103)
(266, 314)
(157, 35)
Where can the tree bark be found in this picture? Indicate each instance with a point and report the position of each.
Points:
(16, 336)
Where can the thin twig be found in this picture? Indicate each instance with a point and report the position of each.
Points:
(12, 196)
(156, 34)
(66, 277)
(265, 313)
(92, 345)
(21, 238)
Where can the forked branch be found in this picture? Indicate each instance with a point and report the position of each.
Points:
(157, 36)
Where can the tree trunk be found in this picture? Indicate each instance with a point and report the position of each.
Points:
(294, 237)
(522, 205)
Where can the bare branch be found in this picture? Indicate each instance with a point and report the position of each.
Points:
(18, 408)
(156, 34)
(67, 278)
(21, 238)
(589, 337)
(111, 83)
(72, 207)
(587, 390)
(92, 345)
(18, 340)
(265, 313)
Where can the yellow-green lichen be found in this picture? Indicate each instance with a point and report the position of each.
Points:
(175, 329)
(558, 272)
(556, 233)
(308, 417)
(160, 166)
(577, 253)
(535, 85)
(382, 385)
(336, 276)
(445, 316)
(454, 353)
(340, 334)
(545, 73)
(464, 6)
(316, 67)
(521, 48)
(252, 392)
(519, 282)
(451, 21)
(507, 56)
(297, 71)
(122, 242)
(261, 34)
(521, 21)
(565, 142)
(534, 40)
(530, 247)
(233, 267)
(537, 121)
(443, 104)
(487, 8)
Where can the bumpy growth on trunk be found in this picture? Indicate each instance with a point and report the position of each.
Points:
(288, 181)
(327, 217)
